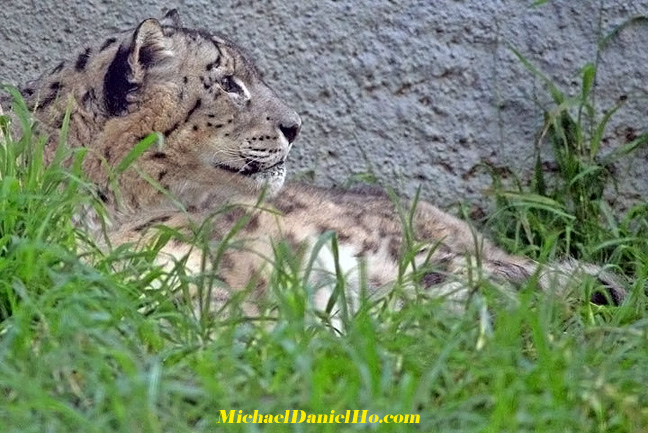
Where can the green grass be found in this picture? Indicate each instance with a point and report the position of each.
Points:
(87, 345)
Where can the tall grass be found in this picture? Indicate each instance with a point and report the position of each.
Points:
(567, 213)
(100, 341)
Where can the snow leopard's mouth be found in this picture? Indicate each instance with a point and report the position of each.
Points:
(252, 167)
(269, 179)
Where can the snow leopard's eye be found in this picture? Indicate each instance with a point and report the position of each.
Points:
(230, 85)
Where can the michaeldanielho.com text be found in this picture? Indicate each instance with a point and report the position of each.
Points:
(299, 416)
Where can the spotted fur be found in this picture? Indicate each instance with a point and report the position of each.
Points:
(452, 257)
(226, 136)
(225, 131)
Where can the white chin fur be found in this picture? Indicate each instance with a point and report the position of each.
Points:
(272, 180)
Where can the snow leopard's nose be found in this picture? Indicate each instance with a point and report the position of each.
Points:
(290, 131)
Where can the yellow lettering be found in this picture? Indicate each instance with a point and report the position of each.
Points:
(299, 416)
(227, 418)
(412, 419)
(302, 416)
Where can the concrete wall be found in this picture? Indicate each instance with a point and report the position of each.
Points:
(424, 90)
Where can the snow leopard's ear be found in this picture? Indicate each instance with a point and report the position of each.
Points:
(172, 19)
(148, 47)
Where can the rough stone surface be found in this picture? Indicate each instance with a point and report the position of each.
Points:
(423, 92)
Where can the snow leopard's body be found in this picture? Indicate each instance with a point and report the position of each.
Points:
(226, 137)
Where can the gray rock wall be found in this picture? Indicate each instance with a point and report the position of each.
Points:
(422, 91)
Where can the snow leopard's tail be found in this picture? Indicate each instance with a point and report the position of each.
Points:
(569, 270)
(559, 277)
